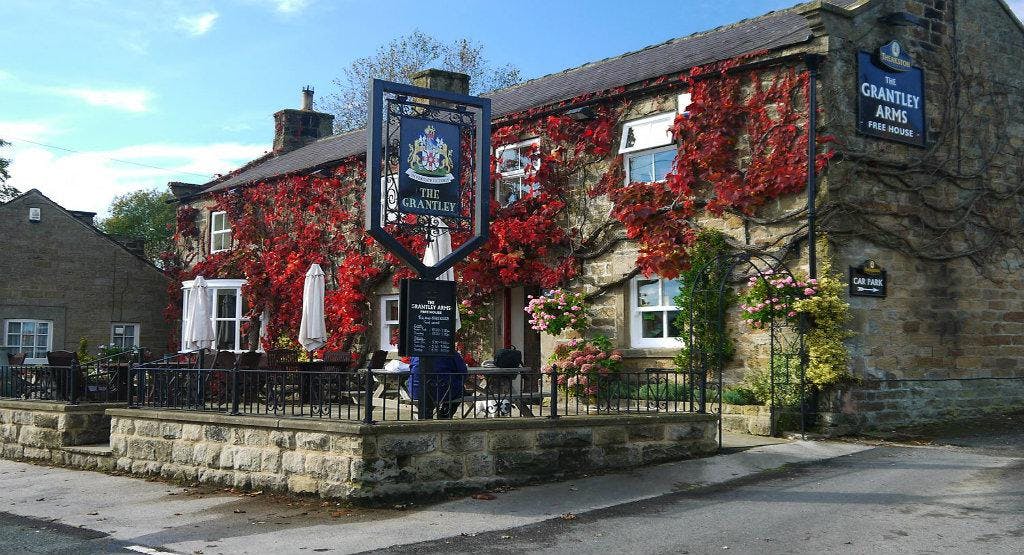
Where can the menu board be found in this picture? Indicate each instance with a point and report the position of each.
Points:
(426, 325)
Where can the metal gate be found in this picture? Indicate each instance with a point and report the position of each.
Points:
(708, 346)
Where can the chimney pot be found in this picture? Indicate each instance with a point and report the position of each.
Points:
(307, 98)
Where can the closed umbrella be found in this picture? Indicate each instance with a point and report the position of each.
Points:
(313, 328)
(198, 333)
(438, 248)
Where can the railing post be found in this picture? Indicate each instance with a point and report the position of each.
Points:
(234, 388)
(368, 409)
(554, 392)
(72, 382)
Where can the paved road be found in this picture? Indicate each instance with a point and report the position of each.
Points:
(963, 494)
(966, 494)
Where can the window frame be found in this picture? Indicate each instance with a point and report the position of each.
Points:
(215, 233)
(213, 285)
(649, 151)
(519, 174)
(385, 323)
(135, 338)
(49, 338)
(669, 118)
(636, 338)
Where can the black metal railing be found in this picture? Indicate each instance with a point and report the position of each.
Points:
(41, 383)
(378, 396)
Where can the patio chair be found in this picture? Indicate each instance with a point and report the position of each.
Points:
(16, 359)
(60, 361)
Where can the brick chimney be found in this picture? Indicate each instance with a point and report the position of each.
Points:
(296, 128)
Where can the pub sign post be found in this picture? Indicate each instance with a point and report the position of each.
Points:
(427, 173)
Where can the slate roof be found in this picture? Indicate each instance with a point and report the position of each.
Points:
(769, 31)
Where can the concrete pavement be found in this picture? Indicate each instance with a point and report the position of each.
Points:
(153, 515)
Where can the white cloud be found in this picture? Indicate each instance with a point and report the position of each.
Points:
(90, 180)
(26, 130)
(129, 100)
(198, 25)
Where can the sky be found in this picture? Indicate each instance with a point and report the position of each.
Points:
(129, 95)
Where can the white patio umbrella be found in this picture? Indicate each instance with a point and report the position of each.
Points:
(313, 328)
(198, 333)
(438, 248)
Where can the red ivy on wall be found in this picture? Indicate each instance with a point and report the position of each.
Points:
(741, 145)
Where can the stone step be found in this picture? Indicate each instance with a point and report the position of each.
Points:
(99, 449)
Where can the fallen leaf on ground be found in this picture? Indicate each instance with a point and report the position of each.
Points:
(239, 512)
(485, 497)
(568, 516)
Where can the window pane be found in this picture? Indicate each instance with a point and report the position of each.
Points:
(41, 341)
(226, 335)
(651, 325)
(512, 160)
(14, 327)
(218, 221)
(28, 328)
(226, 303)
(641, 168)
(393, 334)
(673, 330)
(391, 310)
(12, 340)
(647, 292)
(663, 164)
(671, 291)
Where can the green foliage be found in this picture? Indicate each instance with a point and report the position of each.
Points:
(6, 191)
(739, 395)
(787, 390)
(829, 360)
(698, 294)
(84, 356)
(661, 391)
(146, 215)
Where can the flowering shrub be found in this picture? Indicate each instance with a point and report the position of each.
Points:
(772, 297)
(584, 366)
(557, 311)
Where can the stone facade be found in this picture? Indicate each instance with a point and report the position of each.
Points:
(956, 298)
(50, 432)
(65, 271)
(338, 459)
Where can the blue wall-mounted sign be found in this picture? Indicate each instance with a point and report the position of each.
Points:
(890, 92)
(428, 178)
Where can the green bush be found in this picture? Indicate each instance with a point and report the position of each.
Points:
(739, 396)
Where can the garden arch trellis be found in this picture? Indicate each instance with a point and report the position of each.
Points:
(708, 348)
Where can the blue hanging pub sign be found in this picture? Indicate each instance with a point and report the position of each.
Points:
(890, 92)
(429, 168)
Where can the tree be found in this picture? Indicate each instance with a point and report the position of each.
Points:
(6, 191)
(146, 215)
(403, 56)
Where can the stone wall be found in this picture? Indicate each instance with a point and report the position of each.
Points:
(39, 430)
(887, 404)
(349, 460)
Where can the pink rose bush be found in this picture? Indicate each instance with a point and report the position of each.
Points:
(584, 365)
(772, 296)
(557, 311)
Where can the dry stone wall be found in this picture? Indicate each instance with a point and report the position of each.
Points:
(42, 431)
(348, 460)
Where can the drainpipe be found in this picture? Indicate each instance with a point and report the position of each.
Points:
(812, 61)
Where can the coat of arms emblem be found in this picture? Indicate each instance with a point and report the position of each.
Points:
(430, 159)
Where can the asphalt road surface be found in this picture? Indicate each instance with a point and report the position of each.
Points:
(962, 493)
